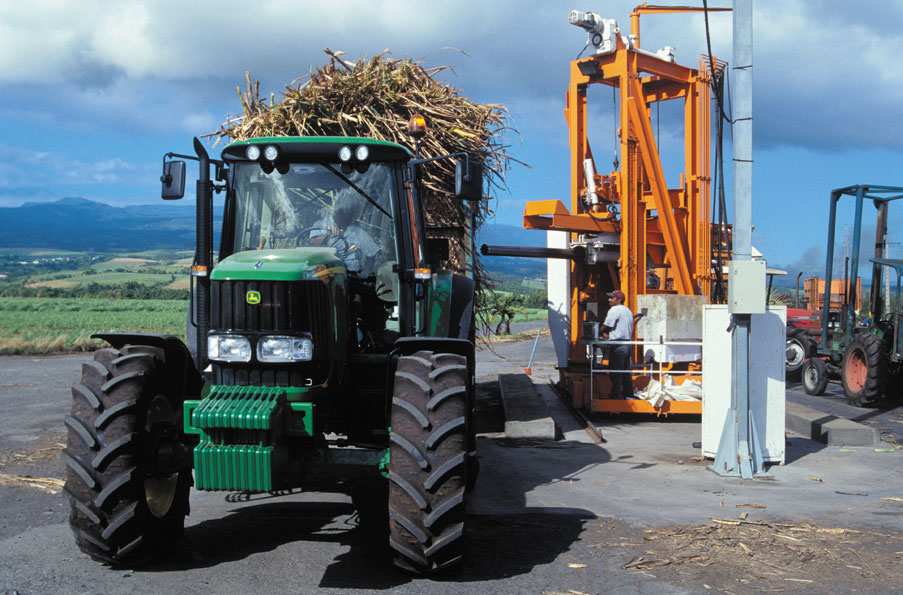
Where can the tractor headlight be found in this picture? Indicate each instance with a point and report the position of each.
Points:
(345, 154)
(278, 348)
(271, 152)
(229, 348)
(361, 152)
(252, 152)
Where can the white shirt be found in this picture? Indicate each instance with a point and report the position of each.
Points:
(620, 320)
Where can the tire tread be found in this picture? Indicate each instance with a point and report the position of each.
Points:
(106, 458)
(427, 460)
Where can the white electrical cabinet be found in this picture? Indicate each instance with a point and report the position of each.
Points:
(746, 287)
(766, 378)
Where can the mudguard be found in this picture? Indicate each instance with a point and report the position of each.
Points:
(183, 376)
(462, 323)
(451, 302)
(411, 345)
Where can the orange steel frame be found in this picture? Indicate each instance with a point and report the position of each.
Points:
(661, 227)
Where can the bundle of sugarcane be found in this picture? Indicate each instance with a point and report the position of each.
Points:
(375, 98)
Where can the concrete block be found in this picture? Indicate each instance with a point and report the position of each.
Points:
(827, 428)
(843, 432)
(526, 414)
(543, 429)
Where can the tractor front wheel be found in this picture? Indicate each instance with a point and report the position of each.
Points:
(798, 348)
(815, 376)
(865, 370)
(126, 477)
(428, 461)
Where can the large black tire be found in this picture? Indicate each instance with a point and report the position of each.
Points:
(798, 348)
(428, 461)
(865, 371)
(815, 376)
(128, 500)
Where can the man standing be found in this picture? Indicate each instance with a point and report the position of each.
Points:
(618, 326)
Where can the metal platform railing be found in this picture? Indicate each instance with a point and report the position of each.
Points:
(642, 368)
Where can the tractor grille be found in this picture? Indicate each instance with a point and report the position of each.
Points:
(286, 307)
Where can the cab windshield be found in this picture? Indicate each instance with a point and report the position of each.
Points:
(317, 205)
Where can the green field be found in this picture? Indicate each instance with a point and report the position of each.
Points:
(532, 314)
(130, 266)
(64, 325)
(525, 315)
(108, 278)
(70, 270)
(59, 325)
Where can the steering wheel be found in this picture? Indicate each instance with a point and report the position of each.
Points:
(331, 240)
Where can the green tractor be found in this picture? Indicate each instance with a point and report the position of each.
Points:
(867, 355)
(325, 352)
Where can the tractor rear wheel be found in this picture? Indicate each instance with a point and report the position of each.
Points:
(865, 370)
(127, 487)
(815, 376)
(428, 461)
(798, 348)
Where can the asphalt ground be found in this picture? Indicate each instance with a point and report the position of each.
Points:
(638, 513)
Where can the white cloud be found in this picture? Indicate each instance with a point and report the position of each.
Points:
(45, 169)
(122, 39)
(825, 72)
(194, 122)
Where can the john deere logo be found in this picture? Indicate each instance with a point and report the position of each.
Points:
(252, 297)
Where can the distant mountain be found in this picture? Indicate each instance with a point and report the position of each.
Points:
(84, 225)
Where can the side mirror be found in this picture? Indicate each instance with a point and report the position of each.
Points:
(222, 172)
(469, 180)
(173, 180)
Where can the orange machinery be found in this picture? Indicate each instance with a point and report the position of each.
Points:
(630, 218)
(815, 294)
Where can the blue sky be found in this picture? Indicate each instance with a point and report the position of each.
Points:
(95, 92)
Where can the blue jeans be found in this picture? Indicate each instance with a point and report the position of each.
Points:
(621, 382)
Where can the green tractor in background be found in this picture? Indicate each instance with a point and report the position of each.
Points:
(324, 353)
(868, 354)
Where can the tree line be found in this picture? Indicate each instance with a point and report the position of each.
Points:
(126, 290)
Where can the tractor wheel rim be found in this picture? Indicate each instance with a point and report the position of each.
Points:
(811, 377)
(856, 370)
(160, 493)
(794, 353)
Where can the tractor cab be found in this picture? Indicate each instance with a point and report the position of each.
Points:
(332, 210)
(345, 211)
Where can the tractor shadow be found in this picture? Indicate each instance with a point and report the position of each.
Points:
(255, 528)
(505, 537)
(498, 546)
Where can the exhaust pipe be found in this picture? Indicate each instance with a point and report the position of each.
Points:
(577, 253)
(203, 249)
